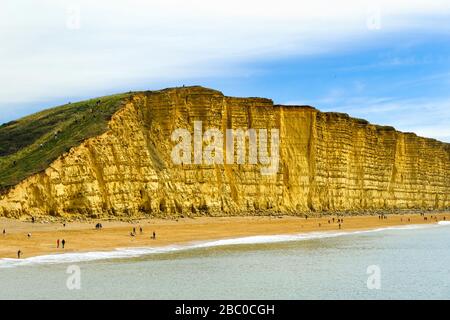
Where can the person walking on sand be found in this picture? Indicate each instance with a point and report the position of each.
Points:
(154, 235)
(339, 226)
(63, 243)
(4, 231)
(57, 244)
(19, 254)
(140, 230)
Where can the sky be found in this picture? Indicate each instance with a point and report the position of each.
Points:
(384, 61)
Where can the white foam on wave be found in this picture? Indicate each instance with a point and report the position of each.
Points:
(444, 223)
(122, 253)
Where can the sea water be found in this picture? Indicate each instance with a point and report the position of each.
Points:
(411, 262)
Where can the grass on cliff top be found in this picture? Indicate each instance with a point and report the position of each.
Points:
(31, 144)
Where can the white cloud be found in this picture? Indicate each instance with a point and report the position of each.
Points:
(121, 43)
(425, 117)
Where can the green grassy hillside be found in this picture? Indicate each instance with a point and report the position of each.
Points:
(29, 145)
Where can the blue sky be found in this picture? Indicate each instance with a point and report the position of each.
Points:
(385, 61)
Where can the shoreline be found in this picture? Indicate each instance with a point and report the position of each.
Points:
(83, 238)
(126, 253)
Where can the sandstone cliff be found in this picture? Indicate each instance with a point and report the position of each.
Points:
(329, 162)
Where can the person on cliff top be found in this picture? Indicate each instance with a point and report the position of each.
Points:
(63, 242)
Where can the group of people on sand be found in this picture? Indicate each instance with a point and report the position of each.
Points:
(339, 221)
(62, 243)
(133, 232)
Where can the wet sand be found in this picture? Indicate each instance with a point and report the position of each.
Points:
(83, 237)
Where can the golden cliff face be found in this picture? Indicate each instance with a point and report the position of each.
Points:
(328, 163)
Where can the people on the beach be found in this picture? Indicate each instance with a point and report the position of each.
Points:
(29, 235)
(4, 231)
(19, 254)
(57, 244)
(63, 243)
(339, 226)
(154, 235)
(141, 230)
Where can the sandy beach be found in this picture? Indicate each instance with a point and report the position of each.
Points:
(83, 237)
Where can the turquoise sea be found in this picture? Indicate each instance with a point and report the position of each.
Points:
(405, 263)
